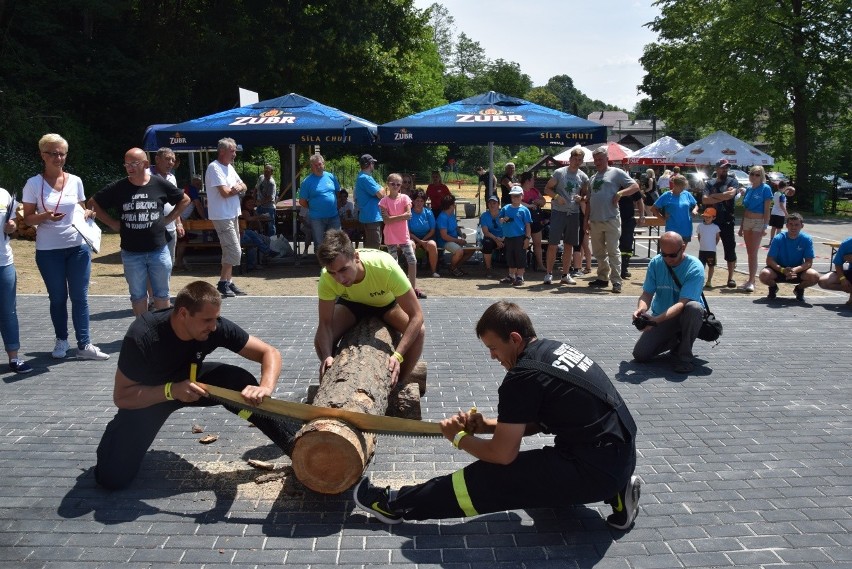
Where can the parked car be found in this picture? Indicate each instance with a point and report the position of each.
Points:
(844, 187)
(776, 177)
(742, 177)
(696, 181)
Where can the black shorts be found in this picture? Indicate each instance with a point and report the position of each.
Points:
(776, 221)
(782, 278)
(488, 245)
(707, 258)
(365, 311)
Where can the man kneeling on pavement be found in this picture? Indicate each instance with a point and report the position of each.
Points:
(550, 387)
(672, 292)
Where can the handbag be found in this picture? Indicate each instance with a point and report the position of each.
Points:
(711, 327)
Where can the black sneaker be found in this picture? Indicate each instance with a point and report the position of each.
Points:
(237, 291)
(625, 505)
(224, 290)
(597, 283)
(800, 293)
(773, 292)
(375, 501)
(19, 366)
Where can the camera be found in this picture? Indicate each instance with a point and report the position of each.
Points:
(642, 321)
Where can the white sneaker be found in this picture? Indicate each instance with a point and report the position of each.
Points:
(92, 352)
(548, 279)
(567, 279)
(436, 275)
(59, 349)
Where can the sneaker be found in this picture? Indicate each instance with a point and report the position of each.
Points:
(708, 285)
(436, 275)
(747, 287)
(223, 289)
(548, 279)
(773, 292)
(237, 291)
(91, 352)
(508, 280)
(616, 288)
(19, 366)
(625, 274)
(731, 283)
(567, 279)
(59, 349)
(598, 283)
(419, 294)
(625, 505)
(519, 281)
(683, 367)
(800, 293)
(375, 501)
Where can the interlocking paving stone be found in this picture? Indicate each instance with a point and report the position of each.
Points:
(745, 462)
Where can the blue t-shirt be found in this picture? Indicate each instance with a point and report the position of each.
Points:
(659, 282)
(448, 222)
(791, 252)
(679, 211)
(366, 188)
(518, 218)
(493, 224)
(421, 223)
(844, 249)
(755, 198)
(321, 193)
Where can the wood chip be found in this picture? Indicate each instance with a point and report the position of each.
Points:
(261, 464)
(197, 429)
(208, 439)
(264, 478)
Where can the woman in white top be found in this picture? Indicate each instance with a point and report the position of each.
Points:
(8, 287)
(53, 201)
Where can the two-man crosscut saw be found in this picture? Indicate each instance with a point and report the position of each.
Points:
(277, 408)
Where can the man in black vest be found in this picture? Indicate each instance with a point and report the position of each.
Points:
(720, 192)
(550, 387)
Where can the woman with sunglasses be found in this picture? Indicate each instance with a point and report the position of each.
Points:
(757, 204)
(421, 228)
(53, 200)
(534, 202)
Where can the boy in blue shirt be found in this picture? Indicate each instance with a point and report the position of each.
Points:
(790, 259)
(515, 220)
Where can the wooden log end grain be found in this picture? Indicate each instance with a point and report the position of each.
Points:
(322, 446)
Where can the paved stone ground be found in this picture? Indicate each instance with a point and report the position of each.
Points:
(746, 463)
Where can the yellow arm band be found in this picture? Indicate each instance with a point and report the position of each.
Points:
(459, 436)
(168, 391)
(842, 278)
(398, 357)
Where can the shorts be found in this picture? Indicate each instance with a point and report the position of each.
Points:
(707, 258)
(407, 251)
(451, 246)
(782, 278)
(488, 245)
(564, 227)
(516, 257)
(362, 311)
(776, 221)
(140, 268)
(753, 224)
(229, 239)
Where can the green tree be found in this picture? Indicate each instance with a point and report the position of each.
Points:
(774, 68)
(544, 97)
(442, 23)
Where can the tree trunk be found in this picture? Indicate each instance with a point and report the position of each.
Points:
(329, 455)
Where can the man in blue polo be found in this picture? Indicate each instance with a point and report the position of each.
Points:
(790, 260)
(368, 192)
(670, 306)
(318, 193)
(841, 277)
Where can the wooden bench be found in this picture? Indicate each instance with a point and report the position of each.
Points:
(835, 245)
(201, 225)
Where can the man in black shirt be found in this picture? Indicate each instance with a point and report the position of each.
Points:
(156, 376)
(720, 192)
(139, 199)
(550, 387)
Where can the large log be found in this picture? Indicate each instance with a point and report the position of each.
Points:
(329, 456)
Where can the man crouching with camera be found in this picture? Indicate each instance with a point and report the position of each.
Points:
(669, 312)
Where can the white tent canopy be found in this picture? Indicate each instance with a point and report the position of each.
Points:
(564, 156)
(718, 146)
(655, 153)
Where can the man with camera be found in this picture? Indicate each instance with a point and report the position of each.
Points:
(669, 312)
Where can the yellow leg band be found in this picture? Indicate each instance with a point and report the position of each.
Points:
(462, 497)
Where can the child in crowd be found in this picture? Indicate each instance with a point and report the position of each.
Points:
(708, 238)
(516, 219)
(492, 232)
(396, 211)
(778, 215)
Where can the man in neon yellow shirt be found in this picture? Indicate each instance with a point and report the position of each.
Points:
(355, 285)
